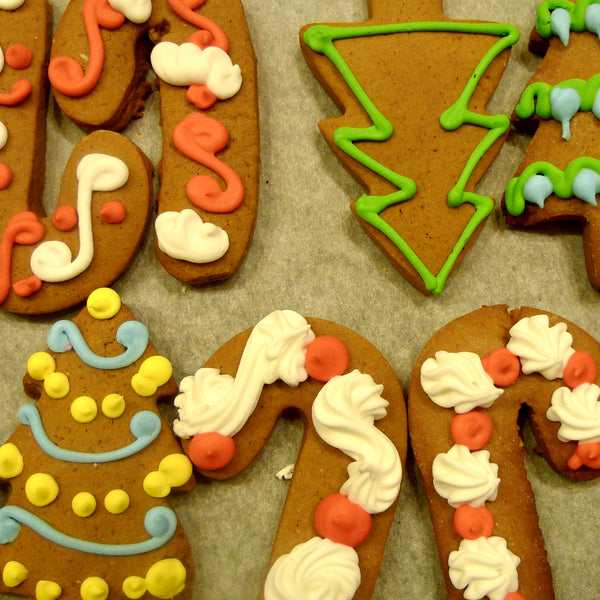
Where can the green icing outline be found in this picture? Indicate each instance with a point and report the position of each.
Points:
(320, 38)
(577, 10)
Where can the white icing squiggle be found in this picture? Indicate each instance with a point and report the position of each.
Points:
(52, 260)
(11, 4)
(343, 414)
(137, 11)
(541, 348)
(458, 380)
(316, 569)
(485, 567)
(578, 412)
(275, 350)
(465, 477)
(184, 235)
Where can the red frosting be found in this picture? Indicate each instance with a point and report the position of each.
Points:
(341, 520)
(27, 287)
(211, 451)
(586, 453)
(472, 429)
(502, 366)
(18, 56)
(113, 212)
(473, 522)
(19, 92)
(65, 218)
(580, 368)
(326, 357)
(514, 596)
(213, 34)
(6, 176)
(200, 96)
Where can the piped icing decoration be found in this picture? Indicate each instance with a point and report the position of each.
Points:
(472, 522)
(41, 489)
(560, 17)
(502, 366)
(113, 406)
(14, 573)
(103, 303)
(326, 357)
(42, 367)
(94, 588)
(472, 429)
(211, 450)
(136, 12)
(174, 470)
(47, 590)
(84, 409)
(84, 504)
(154, 372)
(117, 501)
(578, 412)
(52, 260)
(342, 521)
(164, 579)
(65, 218)
(11, 461)
(18, 57)
(581, 368)
(211, 34)
(113, 212)
(11, 4)
(3, 135)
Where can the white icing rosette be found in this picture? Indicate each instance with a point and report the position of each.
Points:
(137, 11)
(316, 569)
(485, 567)
(464, 477)
(578, 412)
(458, 380)
(541, 348)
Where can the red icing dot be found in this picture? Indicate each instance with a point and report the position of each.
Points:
(580, 368)
(18, 56)
(200, 96)
(326, 357)
(202, 38)
(113, 212)
(471, 522)
(64, 218)
(341, 520)
(472, 429)
(6, 176)
(588, 454)
(211, 451)
(514, 596)
(502, 366)
(27, 287)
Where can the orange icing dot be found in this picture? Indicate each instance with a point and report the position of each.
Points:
(326, 357)
(502, 366)
(211, 451)
(18, 56)
(113, 212)
(471, 523)
(472, 429)
(200, 96)
(588, 454)
(341, 520)
(64, 218)
(28, 286)
(514, 596)
(6, 176)
(581, 368)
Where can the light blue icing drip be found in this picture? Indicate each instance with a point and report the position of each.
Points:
(586, 185)
(145, 427)
(537, 189)
(596, 105)
(565, 103)
(561, 24)
(160, 523)
(65, 335)
(592, 18)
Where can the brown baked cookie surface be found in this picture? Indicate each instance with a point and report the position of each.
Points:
(346, 480)
(413, 85)
(472, 387)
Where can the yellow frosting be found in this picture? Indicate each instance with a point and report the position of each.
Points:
(56, 385)
(134, 587)
(113, 406)
(84, 409)
(41, 489)
(166, 578)
(83, 504)
(116, 501)
(103, 303)
(47, 590)
(156, 485)
(94, 588)
(177, 468)
(11, 461)
(14, 573)
(154, 372)
(40, 365)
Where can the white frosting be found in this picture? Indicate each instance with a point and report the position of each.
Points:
(51, 261)
(458, 380)
(578, 412)
(485, 567)
(188, 64)
(11, 4)
(184, 235)
(464, 477)
(137, 11)
(343, 413)
(318, 569)
(3, 135)
(541, 348)
(276, 349)
(1, 51)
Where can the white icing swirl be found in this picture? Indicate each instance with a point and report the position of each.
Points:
(578, 413)
(3, 135)
(318, 569)
(485, 567)
(184, 235)
(11, 4)
(541, 348)
(458, 380)
(137, 11)
(464, 477)
(276, 349)
(343, 413)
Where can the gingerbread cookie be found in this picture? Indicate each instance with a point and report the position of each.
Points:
(558, 177)
(419, 148)
(90, 467)
(346, 481)
(472, 385)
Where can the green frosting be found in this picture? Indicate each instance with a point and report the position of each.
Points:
(321, 38)
(575, 10)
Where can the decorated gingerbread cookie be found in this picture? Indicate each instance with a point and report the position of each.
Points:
(472, 386)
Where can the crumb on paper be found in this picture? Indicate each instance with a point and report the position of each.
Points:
(286, 473)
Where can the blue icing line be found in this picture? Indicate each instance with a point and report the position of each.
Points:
(145, 427)
(65, 335)
(160, 523)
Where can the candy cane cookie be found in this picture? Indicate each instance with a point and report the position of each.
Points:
(346, 481)
(472, 384)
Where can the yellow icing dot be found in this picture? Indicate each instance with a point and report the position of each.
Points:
(113, 406)
(156, 485)
(47, 590)
(177, 468)
(103, 303)
(154, 372)
(83, 504)
(94, 588)
(40, 365)
(84, 409)
(11, 461)
(116, 501)
(41, 489)
(166, 578)
(56, 385)
(134, 587)
(14, 573)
